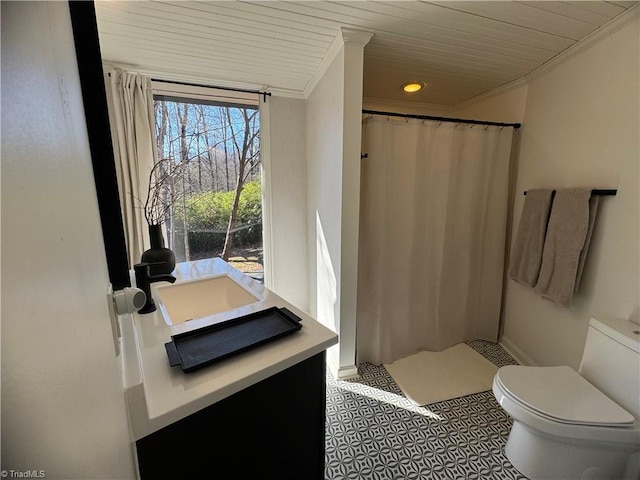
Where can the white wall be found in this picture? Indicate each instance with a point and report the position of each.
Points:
(62, 402)
(334, 109)
(287, 182)
(581, 128)
(324, 124)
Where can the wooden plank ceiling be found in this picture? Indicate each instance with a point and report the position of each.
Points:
(459, 48)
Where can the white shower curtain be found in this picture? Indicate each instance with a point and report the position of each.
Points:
(131, 116)
(433, 220)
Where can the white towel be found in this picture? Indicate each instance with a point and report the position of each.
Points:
(526, 254)
(566, 243)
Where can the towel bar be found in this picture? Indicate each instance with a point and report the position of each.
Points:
(596, 191)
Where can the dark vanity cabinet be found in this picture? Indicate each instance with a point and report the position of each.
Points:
(272, 429)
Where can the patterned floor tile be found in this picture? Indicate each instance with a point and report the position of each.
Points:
(374, 433)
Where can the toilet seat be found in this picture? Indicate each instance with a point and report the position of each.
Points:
(560, 394)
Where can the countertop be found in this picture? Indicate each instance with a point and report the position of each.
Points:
(158, 394)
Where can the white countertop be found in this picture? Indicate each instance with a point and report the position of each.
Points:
(158, 394)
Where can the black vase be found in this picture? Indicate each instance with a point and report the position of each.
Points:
(161, 260)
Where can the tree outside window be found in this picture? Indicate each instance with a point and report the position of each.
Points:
(210, 156)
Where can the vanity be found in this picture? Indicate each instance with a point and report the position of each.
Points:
(257, 414)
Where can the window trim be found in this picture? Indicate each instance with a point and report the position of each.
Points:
(215, 96)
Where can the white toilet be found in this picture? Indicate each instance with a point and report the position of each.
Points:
(585, 425)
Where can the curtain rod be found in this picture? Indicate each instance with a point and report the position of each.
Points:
(596, 191)
(443, 119)
(242, 90)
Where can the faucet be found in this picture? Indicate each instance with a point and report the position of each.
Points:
(144, 279)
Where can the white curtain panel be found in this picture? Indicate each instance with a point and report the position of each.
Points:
(131, 116)
(433, 223)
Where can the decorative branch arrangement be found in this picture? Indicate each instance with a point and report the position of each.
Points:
(162, 194)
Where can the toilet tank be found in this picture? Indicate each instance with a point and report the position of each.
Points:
(611, 360)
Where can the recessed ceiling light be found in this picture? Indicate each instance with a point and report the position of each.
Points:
(412, 87)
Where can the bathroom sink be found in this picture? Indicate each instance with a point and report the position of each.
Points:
(200, 298)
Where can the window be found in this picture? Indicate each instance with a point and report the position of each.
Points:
(210, 154)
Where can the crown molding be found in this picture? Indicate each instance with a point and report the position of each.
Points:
(599, 35)
(355, 37)
(332, 53)
(586, 43)
(344, 36)
(490, 93)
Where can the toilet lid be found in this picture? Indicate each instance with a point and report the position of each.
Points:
(563, 395)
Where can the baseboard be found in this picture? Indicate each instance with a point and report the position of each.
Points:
(521, 357)
(350, 371)
(340, 372)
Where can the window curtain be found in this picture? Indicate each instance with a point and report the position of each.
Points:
(434, 199)
(131, 116)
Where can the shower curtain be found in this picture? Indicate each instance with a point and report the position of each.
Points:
(433, 220)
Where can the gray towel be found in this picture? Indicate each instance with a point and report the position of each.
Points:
(565, 247)
(526, 254)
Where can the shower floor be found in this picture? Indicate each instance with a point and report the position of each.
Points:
(375, 433)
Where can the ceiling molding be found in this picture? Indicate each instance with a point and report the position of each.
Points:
(355, 37)
(344, 36)
(516, 83)
(601, 34)
(591, 40)
(330, 56)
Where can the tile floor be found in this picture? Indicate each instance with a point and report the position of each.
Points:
(375, 433)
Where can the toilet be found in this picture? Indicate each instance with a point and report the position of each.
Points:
(578, 425)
